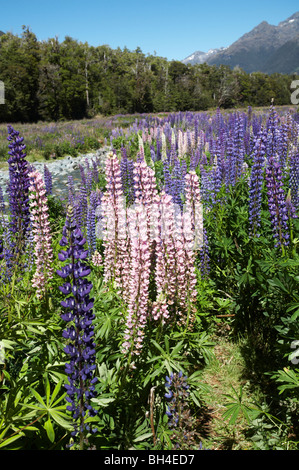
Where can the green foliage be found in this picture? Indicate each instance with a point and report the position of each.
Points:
(54, 81)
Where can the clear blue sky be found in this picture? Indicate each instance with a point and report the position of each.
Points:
(172, 28)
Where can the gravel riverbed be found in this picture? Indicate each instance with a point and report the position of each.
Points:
(61, 169)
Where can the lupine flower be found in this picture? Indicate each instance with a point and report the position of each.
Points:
(18, 187)
(272, 132)
(165, 252)
(294, 179)
(164, 147)
(145, 191)
(80, 331)
(48, 180)
(194, 205)
(1, 250)
(2, 204)
(256, 183)
(91, 230)
(186, 275)
(138, 286)
(1, 255)
(178, 182)
(178, 412)
(127, 177)
(277, 203)
(41, 233)
(97, 259)
(204, 256)
(71, 191)
(81, 207)
(114, 221)
(239, 147)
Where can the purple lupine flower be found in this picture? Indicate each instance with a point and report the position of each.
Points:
(1, 249)
(95, 165)
(256, 183)
(272, 133)
(2, 204)
(127, 176)
(178, 411)
(48, 180)
(82, 173)
(81, 207)
(231, 162)
(167, 178)
(91, 230)
(80, 332)
(18, 186)
(178, 183)
(7, 252)
(277, 202)
(89, 180)
(71, 191)
(239, 145)
(294, 179)
(205, 255)
(1, 255)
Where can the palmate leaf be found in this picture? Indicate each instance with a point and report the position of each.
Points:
(236, 407)
(50, 406)
(289, 378)
(9, 440)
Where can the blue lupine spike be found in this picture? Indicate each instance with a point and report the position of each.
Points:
(81, 349)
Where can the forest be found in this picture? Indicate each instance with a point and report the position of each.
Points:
(51, 81)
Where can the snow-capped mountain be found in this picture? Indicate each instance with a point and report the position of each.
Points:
(264, 48)
(200, 57)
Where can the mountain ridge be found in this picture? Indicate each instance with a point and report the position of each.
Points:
(263, 49)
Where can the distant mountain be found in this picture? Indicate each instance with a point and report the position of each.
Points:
(285, 59)
(1, 33)
(200, 57)
(266, 48)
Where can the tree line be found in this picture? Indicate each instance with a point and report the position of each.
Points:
(51, 80)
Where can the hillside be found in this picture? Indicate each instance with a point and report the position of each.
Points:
(266, 48)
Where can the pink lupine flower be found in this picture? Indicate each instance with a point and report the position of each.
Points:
(97, 259)
(116, 251)
(165, 271)
(146, 191)
(193, 206)
(41, 233)
(186, 274)
(139, 277)
(182, 143)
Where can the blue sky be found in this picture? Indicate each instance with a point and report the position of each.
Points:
(173, 28)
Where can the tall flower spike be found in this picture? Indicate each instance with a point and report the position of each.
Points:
(194, 205)
(256, 183)
(80, 331)
(165, 251)
(138, 282)
(18, 187)
(178, 412)
(277, 203)
(114, 221)
(48, 180)
(41, 233)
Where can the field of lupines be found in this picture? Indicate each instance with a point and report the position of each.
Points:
(112, 301)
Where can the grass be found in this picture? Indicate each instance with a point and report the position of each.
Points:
(225, 375)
